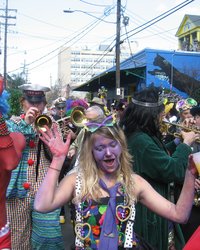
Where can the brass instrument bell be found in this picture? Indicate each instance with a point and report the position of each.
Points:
(41, 121)
(78, 116)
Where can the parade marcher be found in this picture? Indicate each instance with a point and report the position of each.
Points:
(30, 229)
(195, 112)
(105, 189)
(159, 164)
(185, 119)
(60, 108)
(194, 220)
(64, 121)
(11, 147)
(66, 126)
(184, 106)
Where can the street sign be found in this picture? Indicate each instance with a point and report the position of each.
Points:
(120, 92)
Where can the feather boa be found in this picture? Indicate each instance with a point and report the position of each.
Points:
(4, 105)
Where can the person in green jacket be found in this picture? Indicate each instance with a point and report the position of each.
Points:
(159, 164)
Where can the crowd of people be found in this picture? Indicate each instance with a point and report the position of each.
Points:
(129, 184)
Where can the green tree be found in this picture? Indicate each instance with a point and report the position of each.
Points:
(15, 94)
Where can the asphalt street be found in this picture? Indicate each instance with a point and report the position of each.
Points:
(67, 230)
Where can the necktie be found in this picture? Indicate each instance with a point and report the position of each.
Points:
(109, 233)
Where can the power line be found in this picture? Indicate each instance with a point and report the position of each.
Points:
(163, 15)
(154, 28)
(41, 21)
(98, 5)
(41, 58)
(87, 29)
(159, 18)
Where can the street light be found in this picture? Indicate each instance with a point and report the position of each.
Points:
(87, 13)
(117, 46)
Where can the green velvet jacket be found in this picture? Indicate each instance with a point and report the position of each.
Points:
(153, 162)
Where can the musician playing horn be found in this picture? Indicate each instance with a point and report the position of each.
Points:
(60, 116)
(184, 106)
(27, 231)
(66, 127)
(158, 163)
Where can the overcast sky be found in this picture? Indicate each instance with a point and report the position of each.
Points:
(42, 28)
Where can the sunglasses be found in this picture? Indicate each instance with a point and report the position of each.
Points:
(107, 122)
(185, 104)
(60, 108)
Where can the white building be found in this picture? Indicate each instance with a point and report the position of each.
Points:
(78, 65)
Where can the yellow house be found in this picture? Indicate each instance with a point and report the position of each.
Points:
(188, 33)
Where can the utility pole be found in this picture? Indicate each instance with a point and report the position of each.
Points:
(117, 49)
(6, 17)
(24, 73)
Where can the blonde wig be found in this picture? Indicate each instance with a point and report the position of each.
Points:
(89, 169)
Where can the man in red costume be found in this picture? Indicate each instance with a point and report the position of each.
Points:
(11, 147)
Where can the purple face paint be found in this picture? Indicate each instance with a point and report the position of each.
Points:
(106, 153)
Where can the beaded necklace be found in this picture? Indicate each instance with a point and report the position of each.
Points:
(124, 213)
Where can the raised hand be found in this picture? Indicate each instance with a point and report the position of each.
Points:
(53, 139)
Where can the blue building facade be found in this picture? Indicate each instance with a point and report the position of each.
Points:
(177, 71)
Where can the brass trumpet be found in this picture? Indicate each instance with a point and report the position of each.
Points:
(165, 128)
(77, 118)
(43, 120)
